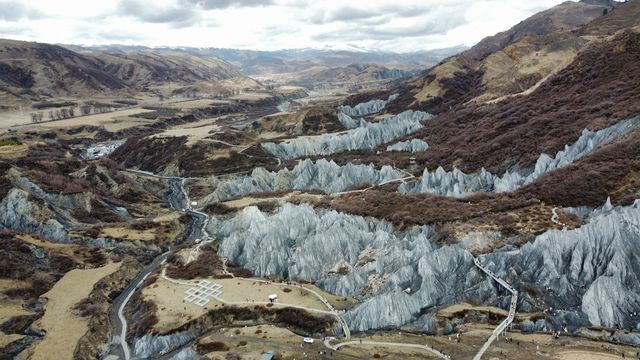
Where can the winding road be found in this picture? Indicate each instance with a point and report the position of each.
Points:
(177, 198)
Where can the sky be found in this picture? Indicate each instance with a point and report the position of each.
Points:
(387, 25)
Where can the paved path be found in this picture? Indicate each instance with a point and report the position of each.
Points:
(403, 179)
(121, 302)
(512, 309)
(554, 218)
(327, 343)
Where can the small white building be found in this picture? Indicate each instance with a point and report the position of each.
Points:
(273, 298)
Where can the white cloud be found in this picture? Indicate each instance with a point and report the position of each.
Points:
(266, 25)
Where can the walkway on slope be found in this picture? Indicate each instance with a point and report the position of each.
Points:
(402, 180)
(327, 343)
(512, 309)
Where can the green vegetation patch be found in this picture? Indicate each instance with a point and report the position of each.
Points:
(8, 142)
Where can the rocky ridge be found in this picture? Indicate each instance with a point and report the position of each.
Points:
(368, 136)
(589, 275)
(457, 183)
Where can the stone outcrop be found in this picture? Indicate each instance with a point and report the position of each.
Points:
(367, 108)
(152, 346)
(457, 183)
(307, 175)
(19, 213)
(413, 145)
(366, 137)
(590, 276)
(350, 123)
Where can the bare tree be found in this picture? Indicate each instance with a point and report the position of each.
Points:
(72, 112)
(34, 117)
(51, 115)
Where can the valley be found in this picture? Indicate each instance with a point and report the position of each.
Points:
(205, 203)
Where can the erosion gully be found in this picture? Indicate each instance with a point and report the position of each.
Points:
(177, 198)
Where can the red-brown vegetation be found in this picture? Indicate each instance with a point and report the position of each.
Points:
(612, 171)
(207, 264)
(208, 347)
(426, 208)
(600, 87)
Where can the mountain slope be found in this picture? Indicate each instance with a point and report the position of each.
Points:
(599, 88)
(508, 63)
(253, 62)
(35, 69)
(351, 74)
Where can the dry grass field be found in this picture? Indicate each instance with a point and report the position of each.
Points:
(111, 121)
(173, 311)
(63, 328)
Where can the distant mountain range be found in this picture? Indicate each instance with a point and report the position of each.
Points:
(34, 70)
(251, 62)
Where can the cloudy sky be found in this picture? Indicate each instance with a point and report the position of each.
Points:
(393, 25)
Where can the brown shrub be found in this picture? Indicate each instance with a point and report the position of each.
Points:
(18, 324)
(85, 308)
(301, 319)
(205, 265)
(218, 209)
(426, 208)
(268, 206)
(208, 347)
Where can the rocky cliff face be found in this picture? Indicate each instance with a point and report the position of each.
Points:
(413, 145)
(588, 275)
(366, 137)
(457, 183)
(18, 212)
(307, 175)
(153, 345)
(367, 108)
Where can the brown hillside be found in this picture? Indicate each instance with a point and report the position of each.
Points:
(35, 70)
(508, 63)
(599, 88)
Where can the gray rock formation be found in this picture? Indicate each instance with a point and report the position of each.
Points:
(185, 354)
(413, 145)
(457, 183)
(151, 346)
(367, 108)
(450, 183)
(97, 151)
(18, 212)
(298, 242)
(590, 275)
(593, 270)
(366, 137)
(307, 175)
(350, 123)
